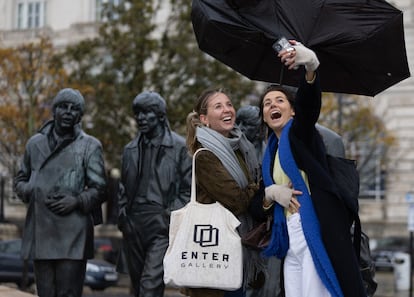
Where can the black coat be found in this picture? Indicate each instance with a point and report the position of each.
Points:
(310, 155)
(172, 180)
(172, 173)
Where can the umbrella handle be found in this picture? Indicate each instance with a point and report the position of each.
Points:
(281, 74)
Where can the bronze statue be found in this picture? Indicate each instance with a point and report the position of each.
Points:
(155, 179)
(334, 144)
(62, 180)
(250, 122)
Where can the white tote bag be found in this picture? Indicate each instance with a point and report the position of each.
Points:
(204, 249)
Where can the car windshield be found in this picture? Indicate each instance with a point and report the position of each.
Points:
(10, 247)
(393, 243)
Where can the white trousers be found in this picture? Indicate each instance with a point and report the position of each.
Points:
(300, 276)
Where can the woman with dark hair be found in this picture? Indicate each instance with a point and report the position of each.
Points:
(311, 229)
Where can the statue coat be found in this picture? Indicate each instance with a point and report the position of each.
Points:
(75, 166)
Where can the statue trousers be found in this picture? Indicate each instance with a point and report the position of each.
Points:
(146, 244)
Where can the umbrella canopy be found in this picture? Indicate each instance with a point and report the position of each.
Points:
(360, 43)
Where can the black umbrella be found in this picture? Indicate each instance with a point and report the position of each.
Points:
(360, 43)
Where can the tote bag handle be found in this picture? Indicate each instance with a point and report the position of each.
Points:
(193, 178)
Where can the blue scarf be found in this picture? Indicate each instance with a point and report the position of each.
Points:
(279, 243)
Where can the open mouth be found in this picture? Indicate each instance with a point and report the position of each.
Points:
(275, 115)
(227, 119)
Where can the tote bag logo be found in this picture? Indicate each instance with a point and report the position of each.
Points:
(206, 235)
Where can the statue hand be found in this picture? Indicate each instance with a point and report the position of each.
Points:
(61, 204)
(124, 225)
(28, 188)
(26, 192)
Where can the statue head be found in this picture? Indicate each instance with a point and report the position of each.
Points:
(149, 100)
(68, 107)
(69, 95)
(150, 112)
(249, 121)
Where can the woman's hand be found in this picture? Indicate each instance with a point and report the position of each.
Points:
(297, 55)
(288, 56)
(282, 194)
(294, 205)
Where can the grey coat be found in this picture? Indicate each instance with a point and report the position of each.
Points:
(76, 166)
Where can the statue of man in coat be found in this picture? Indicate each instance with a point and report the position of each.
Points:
(155, 179)
(250, 122)
(62, 180)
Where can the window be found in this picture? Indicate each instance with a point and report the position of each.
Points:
(31, 14)
(110, 9)
(372, 173)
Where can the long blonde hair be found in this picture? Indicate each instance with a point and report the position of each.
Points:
(193, 118)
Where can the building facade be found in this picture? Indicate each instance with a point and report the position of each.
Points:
(64, 21)
(69, 21)
(396, 107)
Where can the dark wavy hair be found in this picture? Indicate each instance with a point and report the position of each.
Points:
(290, 93)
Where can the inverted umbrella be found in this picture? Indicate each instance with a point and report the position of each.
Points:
(360, 43)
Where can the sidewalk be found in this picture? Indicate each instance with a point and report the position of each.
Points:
(10, 292)
(385, 280)
(385, 288)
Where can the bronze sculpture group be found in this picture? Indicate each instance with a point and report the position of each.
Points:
(62, 180)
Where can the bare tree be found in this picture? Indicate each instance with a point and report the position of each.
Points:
(30, 76)
(365, 136)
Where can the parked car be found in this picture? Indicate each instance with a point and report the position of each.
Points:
(100, 274)
(107, 248)
(384, 248)
(12, 265)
